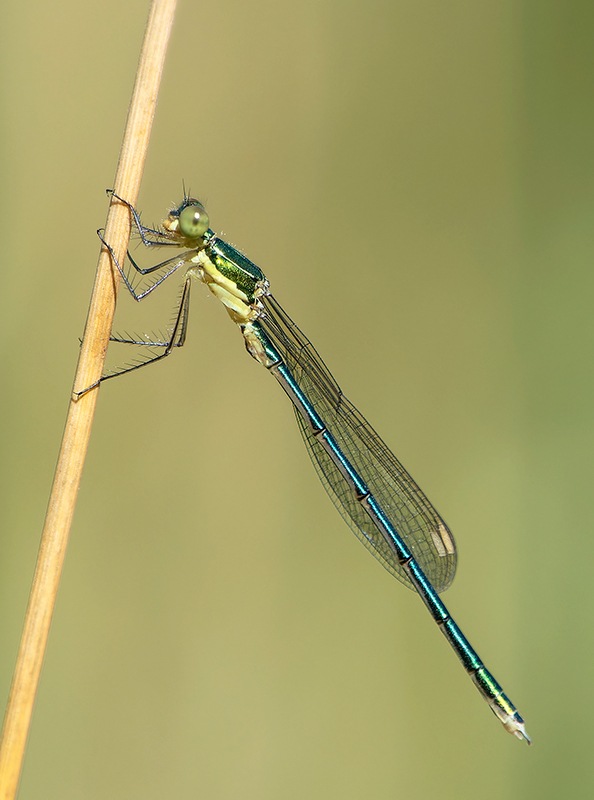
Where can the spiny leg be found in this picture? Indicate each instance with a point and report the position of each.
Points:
(170, 265)
(177, 339)
(150, 237)
(161, 238)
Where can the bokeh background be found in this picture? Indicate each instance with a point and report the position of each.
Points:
(417, 180)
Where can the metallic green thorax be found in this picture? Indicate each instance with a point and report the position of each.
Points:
(235, 266)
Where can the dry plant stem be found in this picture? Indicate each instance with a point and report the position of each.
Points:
(80, 414)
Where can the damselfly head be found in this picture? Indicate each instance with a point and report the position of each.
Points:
(188, 220)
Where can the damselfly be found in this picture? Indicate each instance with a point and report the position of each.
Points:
(373, 492)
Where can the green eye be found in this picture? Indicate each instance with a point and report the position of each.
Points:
(193, 221)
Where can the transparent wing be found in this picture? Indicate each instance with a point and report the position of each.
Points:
(404, 503)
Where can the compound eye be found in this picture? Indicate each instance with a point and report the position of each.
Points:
(193, 221)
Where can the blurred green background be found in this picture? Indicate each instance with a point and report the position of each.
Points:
(417, 180)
